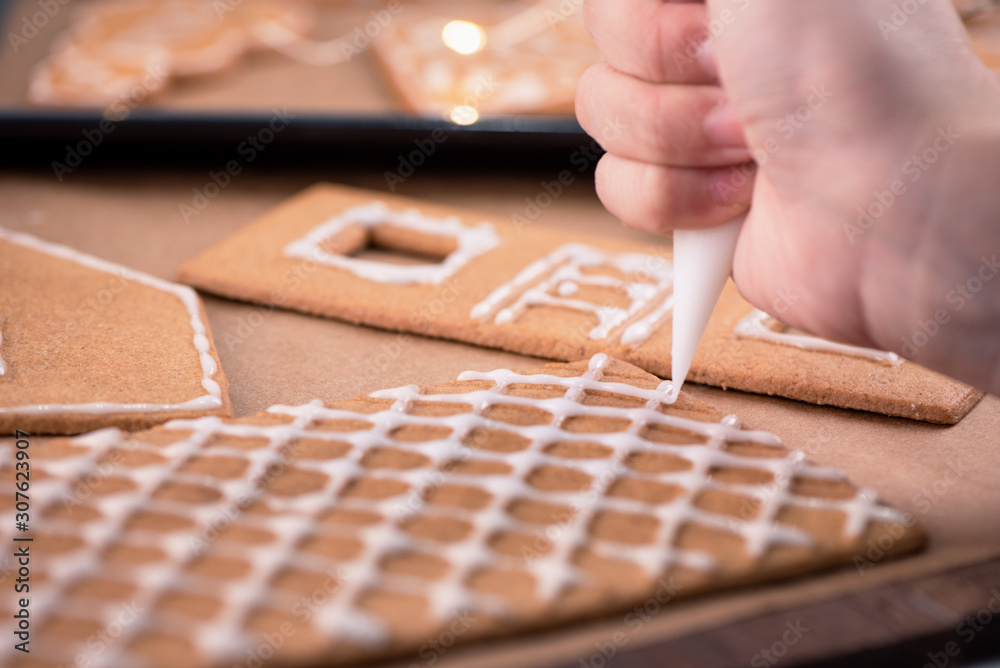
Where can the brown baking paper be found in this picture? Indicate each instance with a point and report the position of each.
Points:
(944, 476)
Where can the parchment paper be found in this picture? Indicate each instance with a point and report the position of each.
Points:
(945, 476)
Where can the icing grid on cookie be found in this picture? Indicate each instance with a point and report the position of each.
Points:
(757, 325)
(555, 278)
(290, 520)
(187, 296)
(471, 242)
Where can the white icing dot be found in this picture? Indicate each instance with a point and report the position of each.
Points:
(526, 89)
(567, 288)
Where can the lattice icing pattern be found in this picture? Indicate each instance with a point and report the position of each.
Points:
(204, 526)
(555, 279)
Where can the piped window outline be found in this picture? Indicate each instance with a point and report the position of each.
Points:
(470, 242)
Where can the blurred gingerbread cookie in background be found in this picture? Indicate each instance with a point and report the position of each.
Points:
(455, 61)
(461, 61)
(116, 46)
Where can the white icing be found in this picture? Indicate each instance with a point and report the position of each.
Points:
(187, 296)
(530, 61)
(535, 20)
(309, 51)
(643, 328)
(293, 519)
(758, 325)
(554, 279)
(75, 76)
(471, 242)
(526, 89)
(568, 288)
(3, 365)
(439, 75)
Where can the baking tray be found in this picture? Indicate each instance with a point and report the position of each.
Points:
(337, 114)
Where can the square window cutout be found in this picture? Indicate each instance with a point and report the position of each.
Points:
(378, 244)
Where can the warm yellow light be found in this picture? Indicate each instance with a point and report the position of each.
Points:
(463, 36)
(463, 115)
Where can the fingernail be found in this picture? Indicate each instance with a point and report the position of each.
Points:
(706, 58)
(723, 128)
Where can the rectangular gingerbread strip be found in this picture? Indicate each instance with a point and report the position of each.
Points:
(399, 264)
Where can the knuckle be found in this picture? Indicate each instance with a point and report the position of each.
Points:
(656, 54)
(655, 197)
(590, 16)
(602, 182)
(585, 99)
(656, 117)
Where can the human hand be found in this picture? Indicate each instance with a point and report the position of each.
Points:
(871, 131)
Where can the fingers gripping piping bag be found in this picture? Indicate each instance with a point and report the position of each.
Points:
(703, 260)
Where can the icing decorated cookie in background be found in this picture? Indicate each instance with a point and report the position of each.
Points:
(405, 265)
(87, 343)
(119, 49)
(462, 61)
(78, 76)
(503, 501)
(457, 60)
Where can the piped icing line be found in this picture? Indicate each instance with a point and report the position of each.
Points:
(291, 520)
(291, 44)
(555, 279)
(187, 296)
(3, 364)
(640, 330)
(755, 326)
(471, 241)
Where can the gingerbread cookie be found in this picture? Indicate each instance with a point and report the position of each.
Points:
(326, 534)
(396, 263)
(72, 75)
(125, 51)
(460, 61)
(86, 343)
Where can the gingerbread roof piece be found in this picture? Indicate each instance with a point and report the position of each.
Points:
(87, 343)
